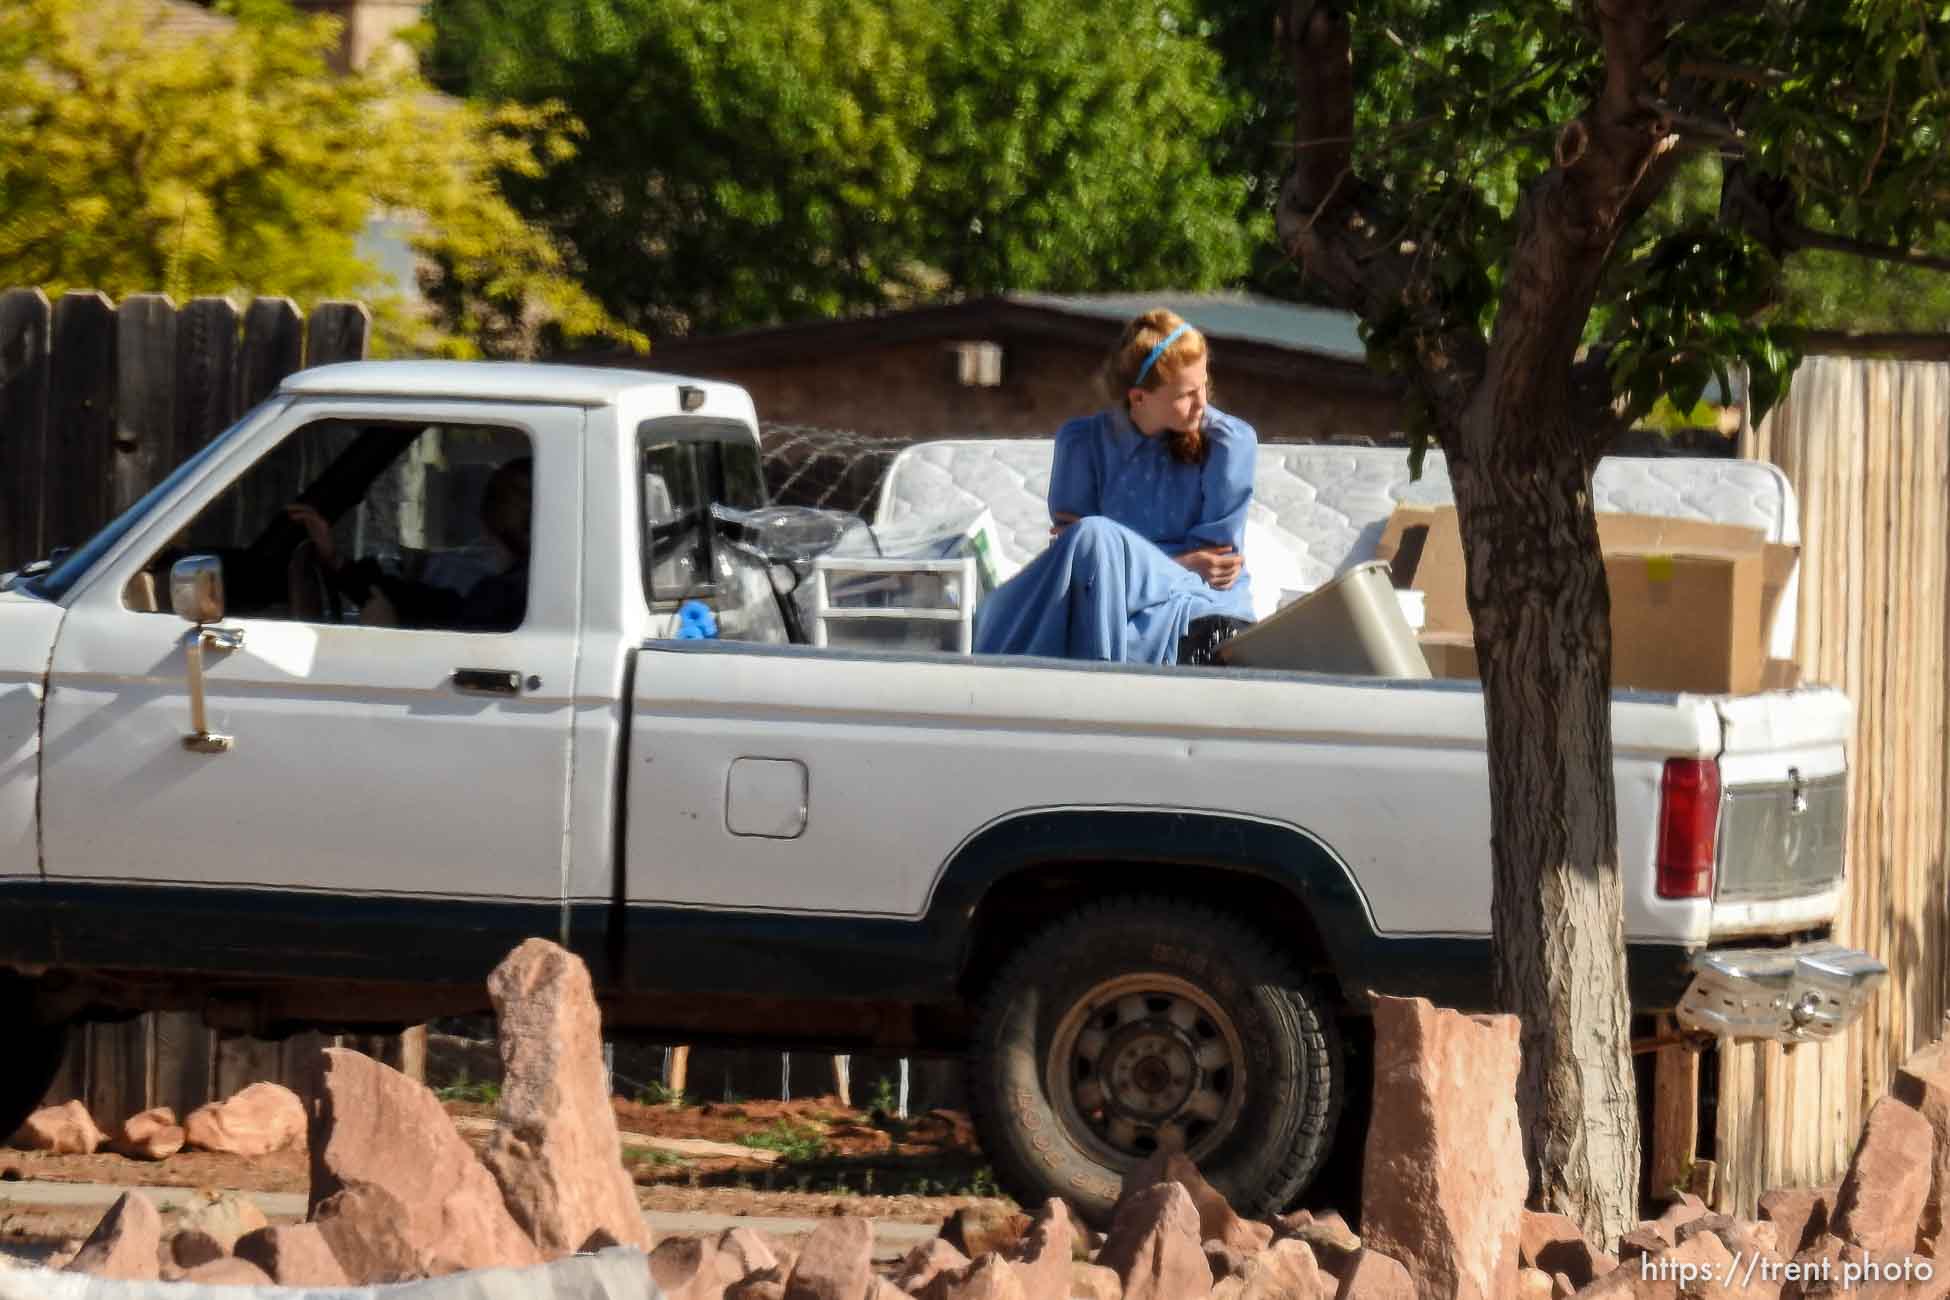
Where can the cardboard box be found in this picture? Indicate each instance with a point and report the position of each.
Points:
(1450, 654)
(1692, 602)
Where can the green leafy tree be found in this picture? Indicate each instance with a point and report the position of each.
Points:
(236, 162)
(1482, 185)
(755, 162)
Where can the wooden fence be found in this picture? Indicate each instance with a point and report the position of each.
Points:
(97, 403)
(1866, 444)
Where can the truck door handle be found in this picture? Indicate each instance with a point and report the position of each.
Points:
(488, 681)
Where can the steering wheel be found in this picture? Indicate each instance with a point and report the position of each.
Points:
(308, 588)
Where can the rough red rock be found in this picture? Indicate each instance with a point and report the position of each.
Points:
(1094, 1282)
(1820, 1266)
(835, 1263)
(194, 1246)
(395, 1190)
(1154, 1247)
(152, 1134)
(1286, 1270)
(228, 1271)
(293, 1255)
(1216, 1218)
(1327, 1234)
(1224, 1261)
(1880, 1205)
(926, 1262)
(1640, 1241)
(1443, 1182)
(688, 1268)
(695, 1268)
(226, 1216)
(126, 1245)
(747, 1252)
(756, 1288)
(1799, 1215)
(989, 1278)
(555, 1150)
(976, 1230)
(1533, 1284)
(260, 1119)
(1675, 1216)
(1371, 1275)
(1722, 1276)
(1553, 1243)
(1042, 1257)
(64, 1130)
(1923, 1084)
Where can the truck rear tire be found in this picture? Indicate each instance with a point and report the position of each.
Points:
(34, 1056)
(1143, 1024)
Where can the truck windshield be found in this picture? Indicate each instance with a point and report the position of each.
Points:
(56, 582)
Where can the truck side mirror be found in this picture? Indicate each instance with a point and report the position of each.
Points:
(196, 589)
(196, 594)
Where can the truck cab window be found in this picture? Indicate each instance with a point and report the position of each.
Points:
(378, 523)
(687, 469)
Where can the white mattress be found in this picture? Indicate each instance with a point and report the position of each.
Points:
(1319, 510)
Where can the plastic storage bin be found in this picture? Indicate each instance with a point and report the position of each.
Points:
(1353, 625)
(878, 604)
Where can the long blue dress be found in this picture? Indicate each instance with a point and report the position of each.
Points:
(1108, 587)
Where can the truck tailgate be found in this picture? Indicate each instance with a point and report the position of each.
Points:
(1784, 810)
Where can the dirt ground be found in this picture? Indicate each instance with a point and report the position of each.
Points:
(808, 1158)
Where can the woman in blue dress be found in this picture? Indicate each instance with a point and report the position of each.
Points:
(1149, 500)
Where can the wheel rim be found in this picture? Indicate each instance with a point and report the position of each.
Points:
(1144, 1063)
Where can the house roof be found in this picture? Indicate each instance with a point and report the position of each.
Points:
(1237, 317)
(1259, 335)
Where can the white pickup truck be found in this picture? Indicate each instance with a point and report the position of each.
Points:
(1147, 904)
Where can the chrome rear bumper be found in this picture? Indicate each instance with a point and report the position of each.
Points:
(1800, 994)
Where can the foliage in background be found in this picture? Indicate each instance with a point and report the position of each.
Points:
(1830, 124)
(751, 161)
(235, 162)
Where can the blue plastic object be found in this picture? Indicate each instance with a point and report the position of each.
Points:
(695, 621)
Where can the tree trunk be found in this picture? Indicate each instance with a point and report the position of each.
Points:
(1537, 596)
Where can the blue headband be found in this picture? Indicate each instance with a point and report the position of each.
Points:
(1157, 352)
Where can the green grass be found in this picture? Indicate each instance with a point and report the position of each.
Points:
(655, 1094)
(885, 1097)
(653, 1157)
(465, 1089)
(795, 1143)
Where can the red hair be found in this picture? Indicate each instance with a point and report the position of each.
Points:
(1127, 359)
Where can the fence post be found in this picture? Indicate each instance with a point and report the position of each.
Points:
(206, 373)
(81, 417)
(145, 397)
(25, 329)
(337, 332)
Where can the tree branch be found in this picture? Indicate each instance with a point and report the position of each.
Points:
(1342, 230)
(1802, 237)
(1670, 119)
(1610, 162)
(1715, 70)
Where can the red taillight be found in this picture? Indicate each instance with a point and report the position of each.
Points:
(1689, 818)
